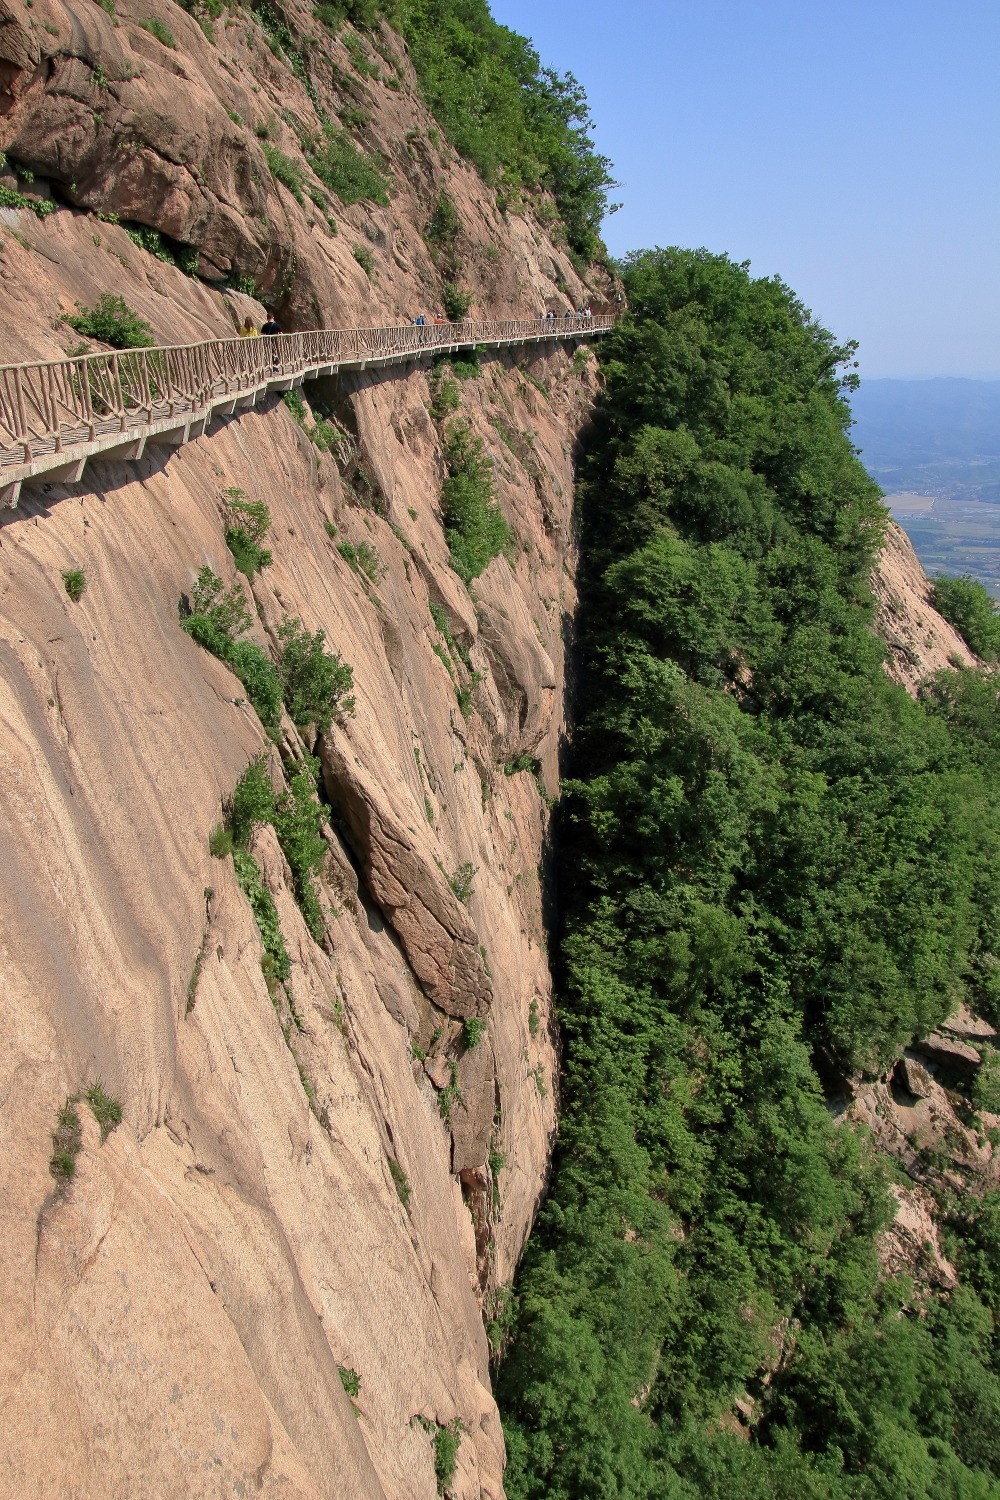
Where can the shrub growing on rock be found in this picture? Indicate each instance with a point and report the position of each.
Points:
(106, 1110)
(364, 258)
(456, 302)
(314, 681)
(355, 176)
(75, 581)
(112, 322)
(475, 526)
(284, 170)
(216, 618)
(67, 1138)
(162, 33)
(247, 524)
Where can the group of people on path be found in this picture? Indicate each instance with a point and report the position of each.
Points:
(249, 329)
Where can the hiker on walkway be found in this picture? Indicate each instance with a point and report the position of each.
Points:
(271, 327)
(249, 329)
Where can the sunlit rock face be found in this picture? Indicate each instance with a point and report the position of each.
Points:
(335, 1177)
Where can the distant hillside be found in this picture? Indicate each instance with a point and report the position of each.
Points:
(938, 437)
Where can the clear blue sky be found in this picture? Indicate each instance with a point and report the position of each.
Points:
(851, 148)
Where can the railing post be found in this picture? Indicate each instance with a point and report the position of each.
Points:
(22, 421)
(88, 405)
(49, 405)
(117, 377)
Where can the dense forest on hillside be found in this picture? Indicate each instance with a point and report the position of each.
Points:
(777, 869)
(524, 126)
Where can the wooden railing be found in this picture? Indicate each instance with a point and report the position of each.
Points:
(56, 414)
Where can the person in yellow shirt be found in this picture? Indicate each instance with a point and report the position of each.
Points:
(249, 330)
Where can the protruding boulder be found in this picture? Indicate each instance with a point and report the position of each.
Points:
(914, 1077)
(948, 1055)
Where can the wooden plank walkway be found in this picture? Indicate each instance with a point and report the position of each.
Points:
(56, 415)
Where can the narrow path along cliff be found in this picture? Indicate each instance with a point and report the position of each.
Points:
(57, 414)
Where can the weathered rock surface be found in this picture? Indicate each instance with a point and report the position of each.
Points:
(911, 1246)
(916, 1117)
(284, 1198)
(182, 140)
(949, 1055)
(919, 641)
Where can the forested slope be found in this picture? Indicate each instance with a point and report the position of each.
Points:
(778, 869)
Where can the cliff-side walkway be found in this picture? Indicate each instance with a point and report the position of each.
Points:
(56, 415)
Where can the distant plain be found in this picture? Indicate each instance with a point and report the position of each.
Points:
(934, 447)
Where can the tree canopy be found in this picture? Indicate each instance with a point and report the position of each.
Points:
(776, 870)
(524, 126)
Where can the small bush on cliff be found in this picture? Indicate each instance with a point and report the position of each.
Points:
(475, 526)
(986, 1085)
(256, 671)
(456, 302)
(445, 393)
(162, 33)
(216, 617)
(248, 522)
(315, 682)
(67, 1138)
(472, 1031)
(112, 322)
(361, 13)
(75, 581)
(444, 224)
(298, 819)
(106, 1110)
(965, 604)
(40, 207)
(401, 1182)
(278, 965)
(296, 816)
(364, 258)
(355, 176)
(251, 804)
(363, 559)
(284, 170)
(461, 881)
(447, 1441)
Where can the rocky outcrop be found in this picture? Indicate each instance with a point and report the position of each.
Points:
(911, 1245)
(316, 1186)
(919, 641)
(206, 138)
(921, 1116)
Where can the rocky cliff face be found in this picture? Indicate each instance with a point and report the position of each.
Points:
(919, 641)
(332, 1178)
